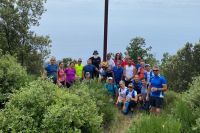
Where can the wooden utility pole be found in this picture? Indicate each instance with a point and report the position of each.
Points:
(105, 30)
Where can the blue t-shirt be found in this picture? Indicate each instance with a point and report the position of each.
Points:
(52, 71)
(138, 66)
(137, 86)
(90, 69)
(157, 82)
(118, 72)
(112, 88)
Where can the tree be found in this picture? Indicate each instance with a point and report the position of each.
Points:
(17, 17)
(179, 69)
(137, 48)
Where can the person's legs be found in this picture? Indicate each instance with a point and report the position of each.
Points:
(159, 103)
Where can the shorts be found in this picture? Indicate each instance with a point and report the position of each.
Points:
(156, 102)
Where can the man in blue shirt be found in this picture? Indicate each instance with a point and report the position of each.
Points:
(118, 72)
(52, 70)
(89, 68)
(157, 87)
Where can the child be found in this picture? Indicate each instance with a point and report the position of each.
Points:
(111, 88)
(131, 99)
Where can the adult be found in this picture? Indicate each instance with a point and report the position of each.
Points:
(158, 86)
(111, 87)
(137, 84)
(126, 60)
(141, 70)
(61, 75)
(139, 60)
(89, 68)
(148, 75)
(110, 61)
(79, 68)
(118, 72)
(129, 72)
(96, 60)
(131, 99)
(70, 74)
(122, 94)
(118, 57)
(52, 70)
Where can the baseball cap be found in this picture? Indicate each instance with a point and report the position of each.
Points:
(110, 78)
(95, 52)
(147, 65)
(79, 59)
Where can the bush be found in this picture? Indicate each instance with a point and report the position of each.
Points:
(185, 115)
(155, 124)
(187, 109)
(12, 76)
(43, 107)
(100, 95)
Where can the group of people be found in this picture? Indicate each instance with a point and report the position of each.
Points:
(130, 85)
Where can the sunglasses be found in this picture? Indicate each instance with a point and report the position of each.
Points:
(155, 70)
(130, 87)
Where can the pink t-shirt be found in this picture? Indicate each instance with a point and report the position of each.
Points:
(70, 74)
(61, 75)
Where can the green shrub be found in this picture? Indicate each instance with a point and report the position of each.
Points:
(184, 113)
(169, 101)
(187, 109)
(43, 107)
(100, 95)
(155, 124)
(12, 76)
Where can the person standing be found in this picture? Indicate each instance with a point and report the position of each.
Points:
(96, 60)
(110, 61)
(89, 68)
(129, 72)
(70, 74)
(61, 75)
(141, 70)
(148, 75)
(118, 72)
(118, 57)
(79, 69)
(52, 70)
(157, 87)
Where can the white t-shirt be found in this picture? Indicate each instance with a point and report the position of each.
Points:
(122, 93)
(129, 71)
(111, 63)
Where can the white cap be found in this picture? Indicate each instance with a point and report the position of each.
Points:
(109, 78)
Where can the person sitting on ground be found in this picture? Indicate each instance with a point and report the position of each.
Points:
(122, 95)
(155, 94)
(131, 99)
(89, 68)
(70, 74)
(52, 70)
(61, 75)
(118, 73)
(111, 88)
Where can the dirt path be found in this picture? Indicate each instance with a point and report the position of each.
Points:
(121, 124)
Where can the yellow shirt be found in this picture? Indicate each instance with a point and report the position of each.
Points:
(79, 70)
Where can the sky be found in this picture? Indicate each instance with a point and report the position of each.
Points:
(76, 26)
